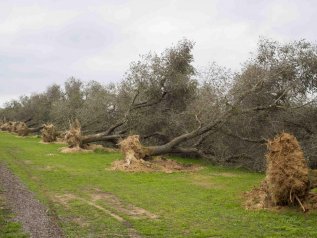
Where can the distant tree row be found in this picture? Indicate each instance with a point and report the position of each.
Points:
(221, 116)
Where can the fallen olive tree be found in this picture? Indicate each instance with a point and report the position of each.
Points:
(178, 144)
(189, 143)
(134, 159)
(20, 128)
(174, 145)
(75, 138)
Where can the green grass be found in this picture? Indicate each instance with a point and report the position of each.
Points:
(206, 203)
(8, 228)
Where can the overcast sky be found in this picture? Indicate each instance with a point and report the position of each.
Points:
(44, 42)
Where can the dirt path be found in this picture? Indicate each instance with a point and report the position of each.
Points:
(29, 211)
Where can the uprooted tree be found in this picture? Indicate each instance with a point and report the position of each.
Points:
(139, 92)
(75, 138)
(175, 145)
(134, 150)
(136, 159)
(19, 127)
(276, 84)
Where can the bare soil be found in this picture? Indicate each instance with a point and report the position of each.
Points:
(29, 211)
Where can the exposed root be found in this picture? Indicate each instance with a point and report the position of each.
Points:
(300, 203)
(310, 203)
(286, 181)
(49, 133)
(287, 171)
(258, 198)
(22, 129)
(137, 159)
(13, 127)
(6, 126)
(73, 136)
(132, 149)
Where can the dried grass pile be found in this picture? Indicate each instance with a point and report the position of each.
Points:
(155, 164)
(22, 129)
(49, 133)
(86, 148)
(73, 135)
(286, 181)
(258, 198)
(100, 148)
(71, 150)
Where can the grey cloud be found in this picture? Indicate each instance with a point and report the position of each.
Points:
(45, 42)
(87, 35)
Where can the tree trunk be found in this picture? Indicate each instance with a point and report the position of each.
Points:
(99, 137)
(35, 129)
(211, 127)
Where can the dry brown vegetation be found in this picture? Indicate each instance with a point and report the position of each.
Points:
(87, 148)
(73, 136)
(286, 182)
(15, 127)
(132, 149)
(49, 133)
(287, 171)
(154, 164)
(18, 127)
(22, 129)
(6, 126)
(137, 159)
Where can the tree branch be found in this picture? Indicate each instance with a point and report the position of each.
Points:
(259, 141)
(149, 104)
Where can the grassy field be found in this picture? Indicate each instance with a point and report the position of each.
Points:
(92, 201)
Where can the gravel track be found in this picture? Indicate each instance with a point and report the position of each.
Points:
(28, 210)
